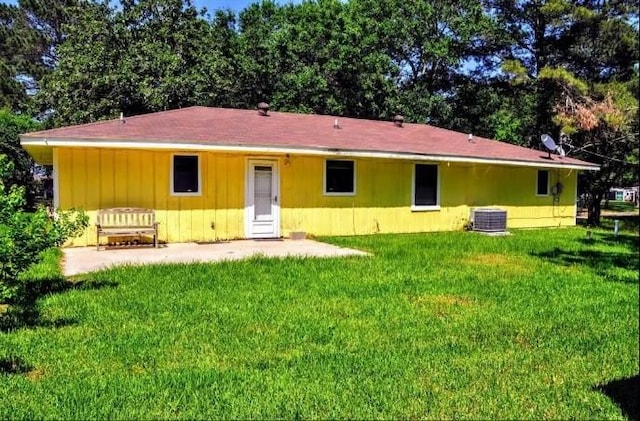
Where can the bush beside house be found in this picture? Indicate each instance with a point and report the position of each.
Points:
(25, 235)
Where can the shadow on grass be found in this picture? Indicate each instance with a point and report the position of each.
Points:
(24, 312)
(619, 206)
(628, 241)
(14, 365)
(603, 263)
(607, 222)
(624, 393)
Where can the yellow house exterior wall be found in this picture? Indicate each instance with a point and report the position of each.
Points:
(92, 178)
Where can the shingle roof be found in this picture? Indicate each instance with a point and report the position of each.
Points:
(247, 128)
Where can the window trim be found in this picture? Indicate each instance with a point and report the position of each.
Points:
(421, 208)
(324, 179)
(172, 192)
(548, 183)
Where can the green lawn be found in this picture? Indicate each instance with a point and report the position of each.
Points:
(445, 325)
(620, 206)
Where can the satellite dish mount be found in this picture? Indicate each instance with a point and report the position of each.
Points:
(551, 145)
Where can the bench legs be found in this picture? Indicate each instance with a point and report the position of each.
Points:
(155, 240)
(155, 235)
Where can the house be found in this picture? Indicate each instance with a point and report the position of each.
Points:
(214, 173)
(628, 194)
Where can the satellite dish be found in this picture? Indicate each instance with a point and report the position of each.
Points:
(551, 145)
(548, 142)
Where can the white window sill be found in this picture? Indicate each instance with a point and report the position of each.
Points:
(194, 194)
(415, 208)
(339, 194)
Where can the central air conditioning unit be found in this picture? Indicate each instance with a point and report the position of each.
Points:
(489, 219)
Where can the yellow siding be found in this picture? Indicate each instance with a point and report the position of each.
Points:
(383, 198)
(102, 178)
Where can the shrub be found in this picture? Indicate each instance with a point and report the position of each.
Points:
(11, 125)
(24, 235)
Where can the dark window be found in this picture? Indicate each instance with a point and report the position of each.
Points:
(543, 182)
(426, 185)
(185, 174)
(339, 177)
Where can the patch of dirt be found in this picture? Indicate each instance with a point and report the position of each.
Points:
(489, 259)
(137, 369)
(583, 213)
(441, 306)
(505, 262)
(441, 300)
(262, 329)
(35, 374)
(522, 341)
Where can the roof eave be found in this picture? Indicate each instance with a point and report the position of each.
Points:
(27, 140)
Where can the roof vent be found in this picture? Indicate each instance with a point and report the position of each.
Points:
(398, 120)
(336, 124)
(263, 108)
(470, 138)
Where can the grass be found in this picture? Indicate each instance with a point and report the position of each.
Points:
(540, 324)
(620, 206)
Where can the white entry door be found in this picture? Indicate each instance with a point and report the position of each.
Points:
(262, 208)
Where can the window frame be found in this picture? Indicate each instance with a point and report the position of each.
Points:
(421, 208)
(172, 191)
(324, 178)
(538, 194)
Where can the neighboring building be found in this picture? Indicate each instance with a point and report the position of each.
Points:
(213, 173)
(632, 195)
(628, 194)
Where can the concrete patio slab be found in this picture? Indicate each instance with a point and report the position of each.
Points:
(88, 259)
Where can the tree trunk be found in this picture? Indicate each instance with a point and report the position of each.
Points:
(541, 95)
(593, 217)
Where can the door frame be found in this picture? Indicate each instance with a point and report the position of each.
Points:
(275, 195)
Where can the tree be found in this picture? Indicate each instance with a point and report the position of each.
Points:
(150, 55)
(570, 66)
(50, 19)
(601, 126)
(11, 126)
(312, 57)
(601, 43)
(30, 34)
(428, 43)
(18, 46)
(492, 108)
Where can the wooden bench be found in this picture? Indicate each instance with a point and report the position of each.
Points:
(126, 222)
